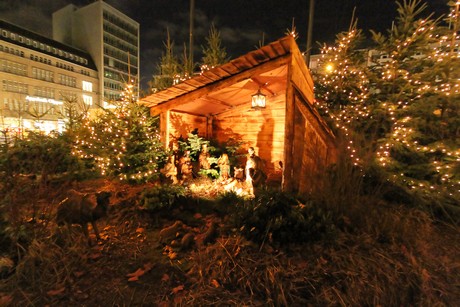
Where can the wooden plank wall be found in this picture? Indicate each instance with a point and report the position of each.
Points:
(309, 154)
(313, 148)
(262, 129)
(181, 124)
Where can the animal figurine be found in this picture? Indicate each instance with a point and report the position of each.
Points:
(169, 233)
(238, 173)
(82, 208)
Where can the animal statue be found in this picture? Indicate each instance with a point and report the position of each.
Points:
(169, 233)
(83, 208)
(238, 173)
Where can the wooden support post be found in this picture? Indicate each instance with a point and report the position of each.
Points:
(164, 128)
(287, 181)
(209, 132)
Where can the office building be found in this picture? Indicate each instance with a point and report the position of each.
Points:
(42, 80)
(109, 36)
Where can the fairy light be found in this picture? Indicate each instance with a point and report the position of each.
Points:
(338, 71)
(108, 139)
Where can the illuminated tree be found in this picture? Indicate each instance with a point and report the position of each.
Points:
(343, 79)
(403, 100)
(123, 141)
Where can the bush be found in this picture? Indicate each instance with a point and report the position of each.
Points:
(161, 197)
(280, 218)
(28, 167)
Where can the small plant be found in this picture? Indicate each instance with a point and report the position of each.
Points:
(281, 218)
(161, 197)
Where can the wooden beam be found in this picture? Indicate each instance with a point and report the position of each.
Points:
(209, 132)
(217, 101)
(218, 85)
(164, 128)
(188, 113)
(287, 179)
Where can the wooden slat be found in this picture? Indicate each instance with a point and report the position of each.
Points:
(186, 98)
(242, 63)
(210, 74)
(184, 86)
(230, 68)
(221, 72)
(317, 123)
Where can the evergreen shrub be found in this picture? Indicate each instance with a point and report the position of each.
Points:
(280, 218)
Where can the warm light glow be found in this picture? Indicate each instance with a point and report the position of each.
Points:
(258, 100)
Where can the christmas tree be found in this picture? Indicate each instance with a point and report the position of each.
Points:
(123, 141)
(402, 102)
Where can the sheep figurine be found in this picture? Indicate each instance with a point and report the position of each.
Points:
(80, 208)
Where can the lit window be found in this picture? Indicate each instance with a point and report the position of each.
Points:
(88, 100)
(87, 86)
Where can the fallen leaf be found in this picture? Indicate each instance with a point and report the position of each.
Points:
(134, 278)
(137, 273)
(148, 266)
(177, 289)
(165, 277)
(56, 291)
(140, 230)
(215, 283)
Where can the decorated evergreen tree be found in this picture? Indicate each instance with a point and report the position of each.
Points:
(403, 101)
(123, 141)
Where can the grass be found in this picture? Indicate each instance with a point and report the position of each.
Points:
(381, 254)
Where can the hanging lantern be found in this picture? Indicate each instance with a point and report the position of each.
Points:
(258, 100)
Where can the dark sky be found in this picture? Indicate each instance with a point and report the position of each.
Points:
(242, 23)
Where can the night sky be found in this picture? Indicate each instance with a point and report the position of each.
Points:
(242, 23)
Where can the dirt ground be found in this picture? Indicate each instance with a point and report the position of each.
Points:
(138, 263)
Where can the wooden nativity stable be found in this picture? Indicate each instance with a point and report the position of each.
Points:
(288, 134)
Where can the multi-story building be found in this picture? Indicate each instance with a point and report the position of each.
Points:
(111, 38)
(42, 80)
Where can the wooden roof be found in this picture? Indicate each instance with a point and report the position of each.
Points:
(229, 85)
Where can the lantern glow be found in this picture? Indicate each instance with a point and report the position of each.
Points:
(258, 100)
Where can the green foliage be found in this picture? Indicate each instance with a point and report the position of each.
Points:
(39, 155)
(281, 218)
(123, 142)
(194, 143)
(211, 173)
(29, 167)
(403, 105)
(168, 69)
(213, 53)
(161, 197)
(345, 72)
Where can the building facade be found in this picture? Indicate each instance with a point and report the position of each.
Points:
(42, 80)
(109, 36)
